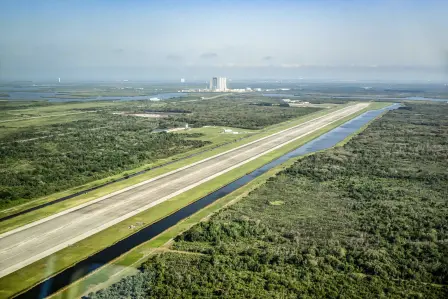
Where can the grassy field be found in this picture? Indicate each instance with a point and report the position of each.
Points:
(16, 117)
(366, 219)
(17, 110)
(58, 261)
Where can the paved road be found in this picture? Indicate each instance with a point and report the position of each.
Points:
(24, 245)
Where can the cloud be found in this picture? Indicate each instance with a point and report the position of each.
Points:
(118, 51)
(173, 57)
(268, 58)
(209, 55)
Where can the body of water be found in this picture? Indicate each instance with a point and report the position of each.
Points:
(84, 267)
(390, 98)
(421, 99)
(279, 95)
(351, 97)
(54, 97)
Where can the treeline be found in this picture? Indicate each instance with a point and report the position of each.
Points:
(68, 155)
(365, 220)
(88, 122)
(230, 112)
(14, 105)
(43, 159)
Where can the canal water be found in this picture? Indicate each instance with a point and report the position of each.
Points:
(106, 255)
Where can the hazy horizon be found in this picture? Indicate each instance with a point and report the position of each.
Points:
(146, 40)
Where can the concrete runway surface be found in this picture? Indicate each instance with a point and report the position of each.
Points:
(29, 243)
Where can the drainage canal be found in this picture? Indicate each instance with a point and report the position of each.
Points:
(90, 264)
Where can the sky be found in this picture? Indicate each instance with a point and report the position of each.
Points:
(136, 39)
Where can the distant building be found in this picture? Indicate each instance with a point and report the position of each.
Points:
(230, 131)
(218, 84)
(154, 99)
(213, 83)
(222, 84)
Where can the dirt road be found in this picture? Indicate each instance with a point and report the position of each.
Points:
(24, 245)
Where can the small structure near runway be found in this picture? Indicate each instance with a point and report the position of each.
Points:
(229, 131)
(172, 129)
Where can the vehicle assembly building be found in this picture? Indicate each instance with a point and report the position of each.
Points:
(218, 84)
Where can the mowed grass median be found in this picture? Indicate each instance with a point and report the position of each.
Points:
(38, 271)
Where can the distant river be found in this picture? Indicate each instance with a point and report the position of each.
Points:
(391, 99)
(419, 99)
(364, 97)
(53, 97)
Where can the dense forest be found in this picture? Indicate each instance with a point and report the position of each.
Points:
(232, 111)
(41, 159)
(366, 220)
(35, 162)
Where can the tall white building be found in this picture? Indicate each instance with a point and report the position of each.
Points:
(222, 84)
(218, 84)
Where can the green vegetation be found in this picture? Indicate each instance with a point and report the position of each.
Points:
(32, 274)
(231, 110)
(45, 149)
(56, 161)
(140, 254)
(212, 134)
(364, 220)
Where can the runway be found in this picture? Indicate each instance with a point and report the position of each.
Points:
(25, 245)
